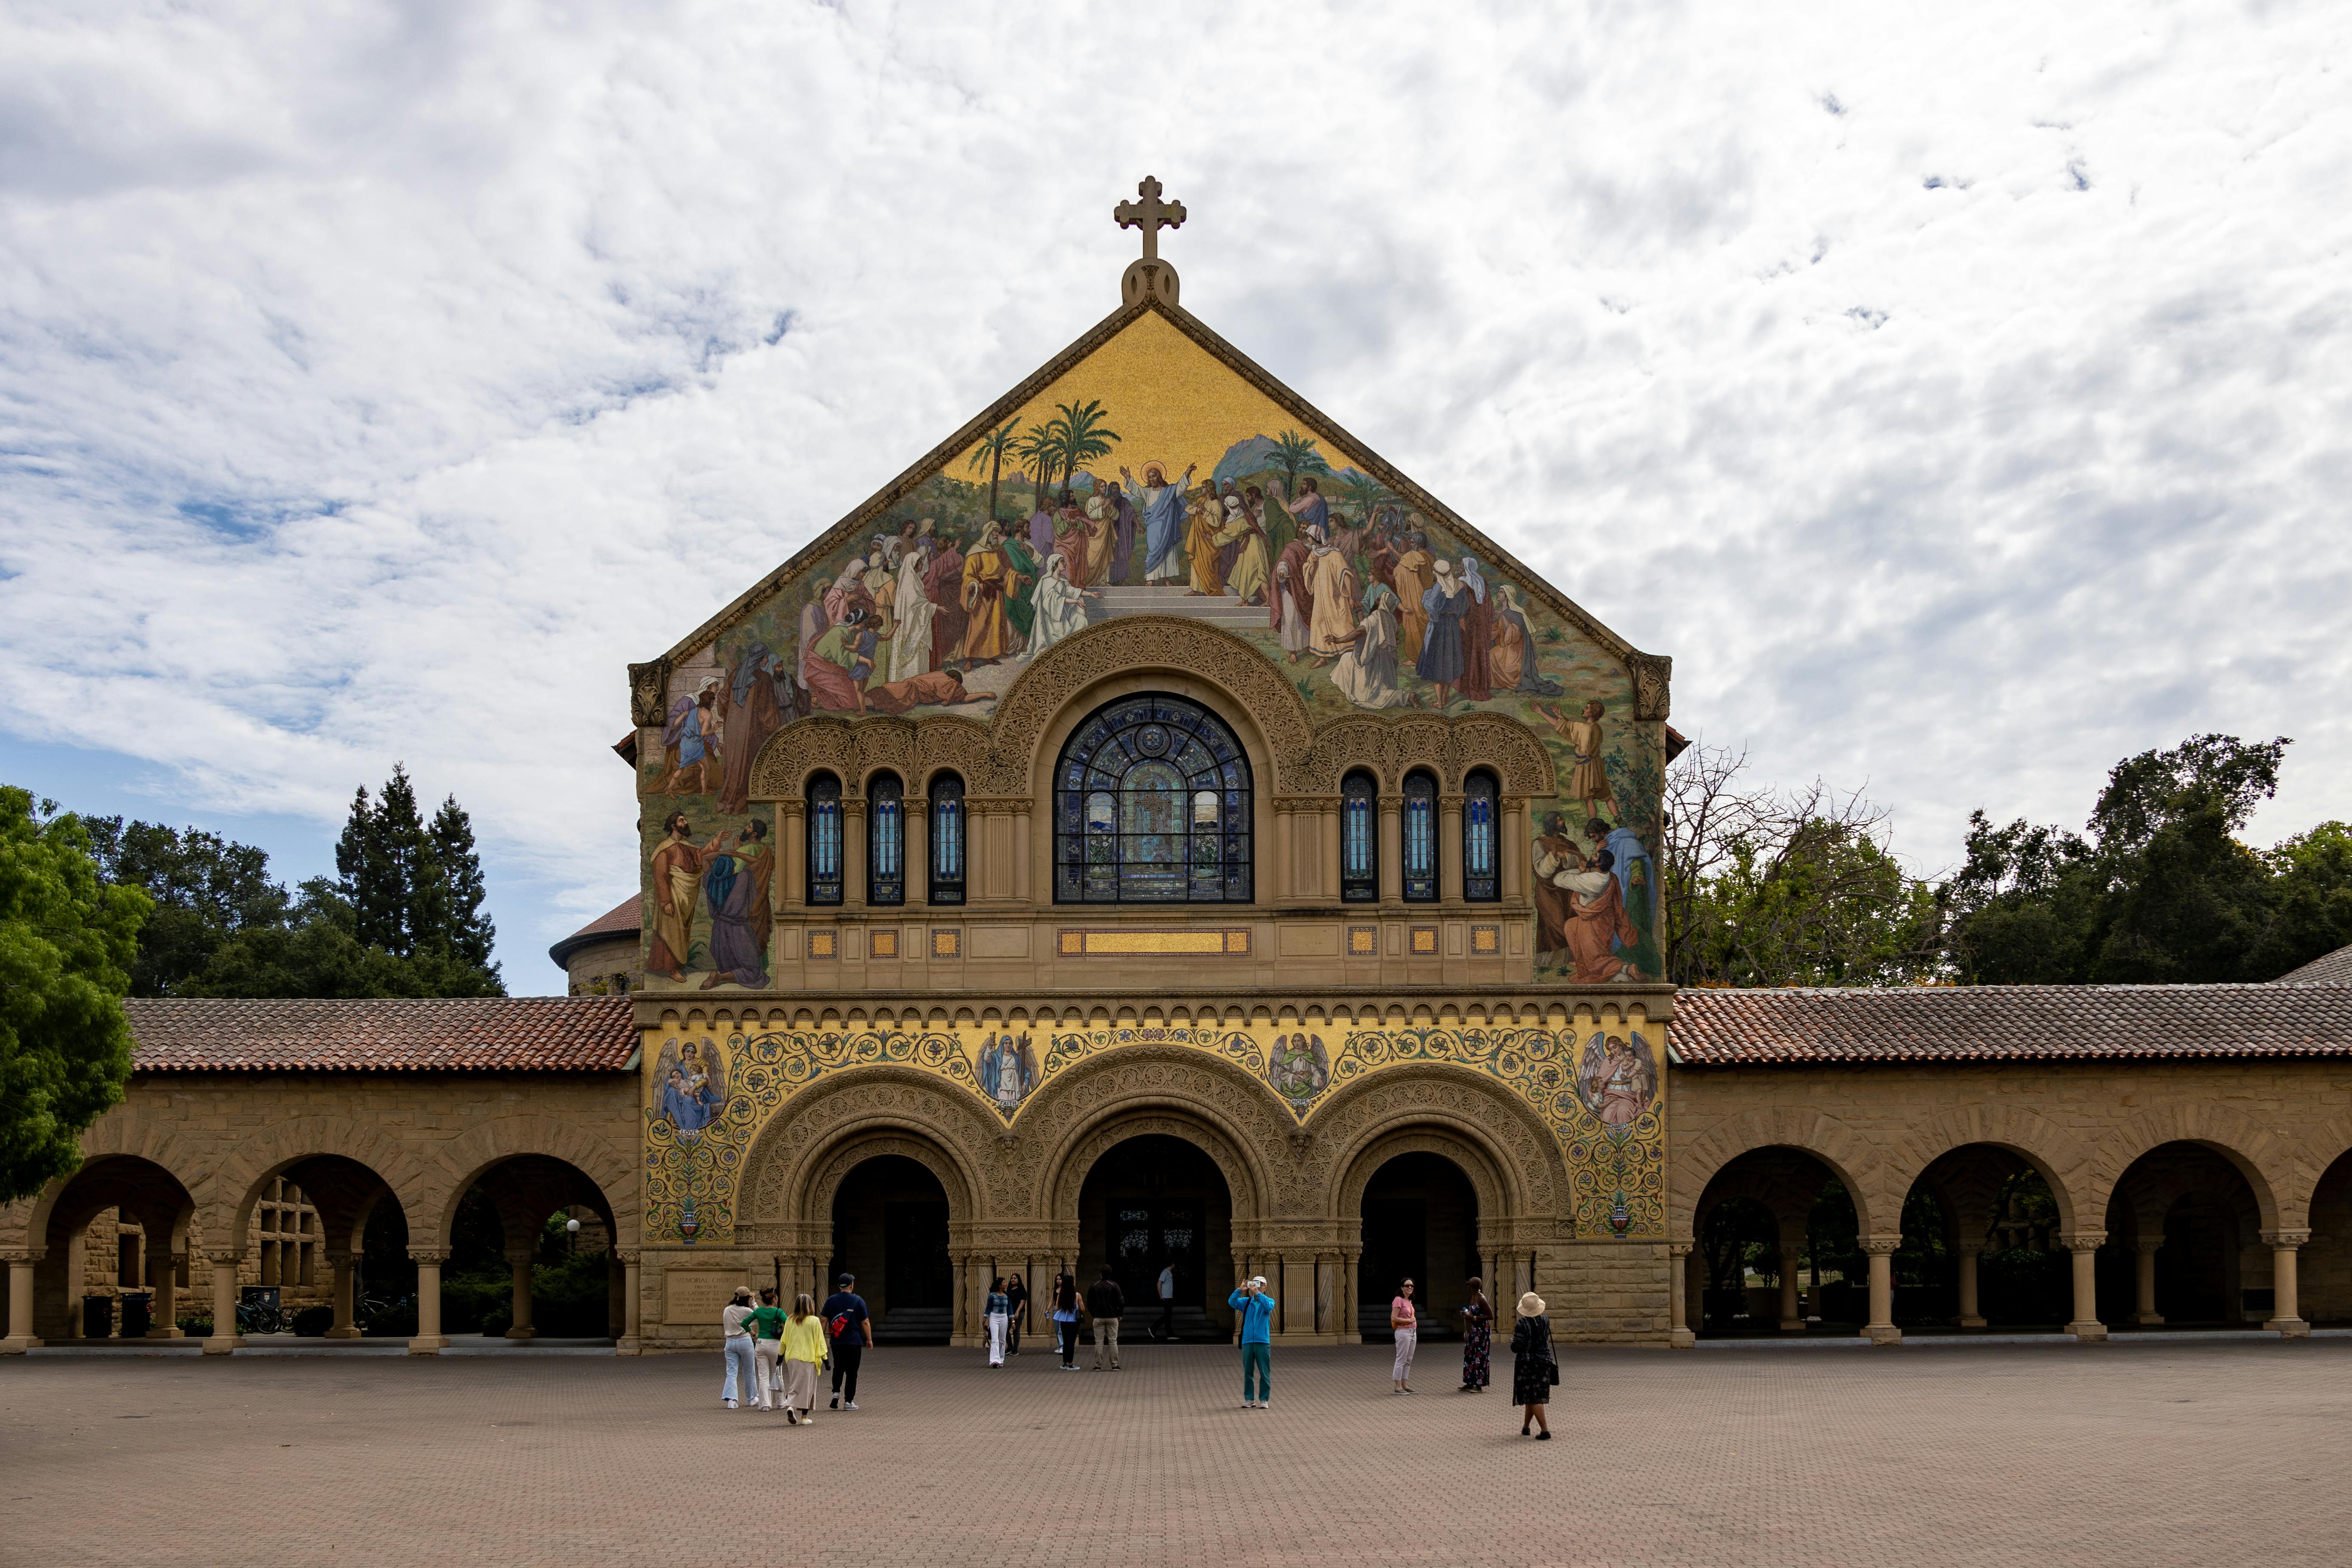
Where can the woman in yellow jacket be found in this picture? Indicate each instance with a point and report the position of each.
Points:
(804, 1354)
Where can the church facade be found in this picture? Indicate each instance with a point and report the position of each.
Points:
(1153, 832)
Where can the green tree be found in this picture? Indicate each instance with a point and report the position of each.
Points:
(464, 931)
(1038, 449)
(205, 888)
(1366, 494)
(1295, 456)
(318, 953)
(989, 454)
(411, 890)
(67, 942)
(1080, 435)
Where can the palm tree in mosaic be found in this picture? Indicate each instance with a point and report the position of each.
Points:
(1365, 493)
(1080, 427)
(1295, 456)
(1038, 449)
(990, 453)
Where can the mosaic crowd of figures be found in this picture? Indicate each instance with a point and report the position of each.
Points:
(1593, 1082)
(1150, 479)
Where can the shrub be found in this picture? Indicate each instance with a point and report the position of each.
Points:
(312, 1323)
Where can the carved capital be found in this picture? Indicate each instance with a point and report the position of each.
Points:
(1653, 675)
(2083, 1240)
(2149, 1246)
(1881, 1246)
(427, 1255)
(647, 684)
(627, 1254)
(22, 1254)
(224, 1256)
(2286, 1237)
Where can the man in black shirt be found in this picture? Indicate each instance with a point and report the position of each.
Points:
(845, 1319)
(1105, 1304)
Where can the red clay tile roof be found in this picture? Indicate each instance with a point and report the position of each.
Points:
(624, 918)
(2328, 969)
(2009, 1022)
(489, 1034)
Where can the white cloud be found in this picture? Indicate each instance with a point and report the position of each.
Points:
(1961, 398)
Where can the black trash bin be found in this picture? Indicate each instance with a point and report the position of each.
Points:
(136, 1318)
(97, 1317)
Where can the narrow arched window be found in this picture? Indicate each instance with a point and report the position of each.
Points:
(824, 839)
(1420, 838)
(1482, 878)
(885, 840)
(1151, 804)
(1359, 828)
(946, 839)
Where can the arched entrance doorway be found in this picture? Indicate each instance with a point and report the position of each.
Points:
(1152, 1203)
(2184, 1243)
(1419, 1222)
(1777, 1248)
(890, 1229)
(116, 1259)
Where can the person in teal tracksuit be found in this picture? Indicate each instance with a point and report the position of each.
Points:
(1256, 1310)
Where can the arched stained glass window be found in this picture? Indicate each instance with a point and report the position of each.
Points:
(1482, 878)
(1360, 842)
(824, 880)
(1151, 804)
(946, 839)
(885, 840)
(1420, 838)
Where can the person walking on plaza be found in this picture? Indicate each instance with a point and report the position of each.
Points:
(736, 1349)
(1256, 1310)
(767, 1325)
(1477, 1338)
(997, 1310)
(1166, 1327)
(1534, 1369)
(850, 1327)
(804, 1346)
(1065, 1320)
(1406, 1325)
(1106, 1304)
(1016, 1315)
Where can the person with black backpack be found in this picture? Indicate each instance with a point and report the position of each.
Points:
(851, 1328)
(1534, 1369)
(1106, 1304)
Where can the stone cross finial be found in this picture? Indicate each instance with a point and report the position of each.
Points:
(1151, 215)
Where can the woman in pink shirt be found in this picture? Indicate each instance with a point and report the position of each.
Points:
(1408, 1335)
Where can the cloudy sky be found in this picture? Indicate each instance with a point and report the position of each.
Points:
(1961, 394)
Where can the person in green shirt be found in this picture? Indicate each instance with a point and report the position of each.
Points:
(767, 1325)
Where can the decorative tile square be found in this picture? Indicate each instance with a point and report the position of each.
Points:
(1487, 941)
(1363, 942)
(1421, 941)
(947, 941)
(881, 942)
(824, 944)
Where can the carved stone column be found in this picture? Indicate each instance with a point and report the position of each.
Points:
(1327, 869)
(1880, 1329)
(2085, 1245)
(632, 1282)
(346, 1302)
(1286, 860)
(917, 815)
(2144, 1279)
(163, 1282)
(791, 891)
(1678, 1325)
(1513, 850)
(429, 1339)
(520, 1261)
(20, 1300)
(2287, 1316)
(1792, 1250)
(1449, 848)
(225, 1336)
(1392, 862)
(853, 850)
(1969, 1317)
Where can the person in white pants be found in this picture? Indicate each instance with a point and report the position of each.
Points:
(1407, 1325)
(767, 1325)
(998, 1311)
(743, 1373)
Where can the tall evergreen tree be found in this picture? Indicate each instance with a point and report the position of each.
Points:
(206, 889)
(467, 931)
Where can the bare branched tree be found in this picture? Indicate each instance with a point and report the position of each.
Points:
(1767, 887)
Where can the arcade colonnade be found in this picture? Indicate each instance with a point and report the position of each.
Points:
(2176, 1166)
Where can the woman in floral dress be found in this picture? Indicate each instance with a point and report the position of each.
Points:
(1477, 1338)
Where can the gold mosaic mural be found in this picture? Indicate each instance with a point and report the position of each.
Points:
(1596, 1082)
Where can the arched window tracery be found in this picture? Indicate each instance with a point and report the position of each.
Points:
(1152, 805)
(1482, 877)
(1360, 829)
(1420, 838)
(823, 833)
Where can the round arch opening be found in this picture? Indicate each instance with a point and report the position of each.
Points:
(1418, 1222)
(1153, 1204)
(890, 1230)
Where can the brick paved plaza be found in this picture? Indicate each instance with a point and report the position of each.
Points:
(2149, 1453)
